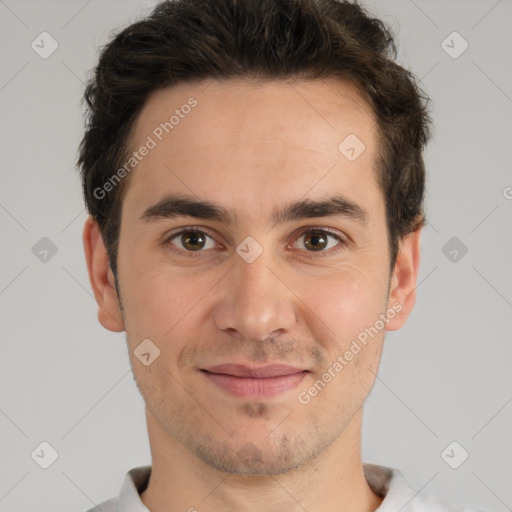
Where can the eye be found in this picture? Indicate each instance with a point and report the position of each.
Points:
(191, 240)
(319, 240)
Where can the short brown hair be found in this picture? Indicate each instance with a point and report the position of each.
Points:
(190, 40)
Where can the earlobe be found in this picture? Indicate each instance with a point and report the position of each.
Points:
(402, 293)
(101, 277)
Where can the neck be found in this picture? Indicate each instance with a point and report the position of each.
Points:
(333, 481)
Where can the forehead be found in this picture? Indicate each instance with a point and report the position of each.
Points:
(241, 142)
(236, 109)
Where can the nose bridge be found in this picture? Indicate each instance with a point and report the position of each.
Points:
(256, 302)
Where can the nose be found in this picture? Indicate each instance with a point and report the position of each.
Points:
(255, 302)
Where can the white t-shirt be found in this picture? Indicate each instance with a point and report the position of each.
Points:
(385, 482)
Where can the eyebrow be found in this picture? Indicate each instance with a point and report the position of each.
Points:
(174, 205)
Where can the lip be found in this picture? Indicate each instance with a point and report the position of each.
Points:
(263, 372)
(250, 382)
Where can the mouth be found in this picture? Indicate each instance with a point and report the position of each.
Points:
(250, 382)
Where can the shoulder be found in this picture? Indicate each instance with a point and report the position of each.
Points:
(135, 481)
(431, 503)
(398, 496)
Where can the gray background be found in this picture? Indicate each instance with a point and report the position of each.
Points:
(445, 377)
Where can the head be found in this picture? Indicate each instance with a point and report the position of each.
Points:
(256, 116)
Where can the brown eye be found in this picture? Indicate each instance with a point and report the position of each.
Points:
(318, 240)
(191, 240)
(315, 241)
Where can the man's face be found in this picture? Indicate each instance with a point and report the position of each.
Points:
(206, 298)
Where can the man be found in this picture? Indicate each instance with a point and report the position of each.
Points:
(254, 176)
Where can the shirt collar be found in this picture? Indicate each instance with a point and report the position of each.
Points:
(386, 482)
(135, 481)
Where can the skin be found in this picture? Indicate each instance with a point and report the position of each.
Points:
(252, 148)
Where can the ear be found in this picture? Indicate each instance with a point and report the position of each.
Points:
(402, 292)
(101, 277)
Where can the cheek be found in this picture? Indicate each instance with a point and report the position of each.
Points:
(158, 302)
(348, 302)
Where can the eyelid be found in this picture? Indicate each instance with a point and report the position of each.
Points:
(178, 231)
(167, 239)
(335, 233)
(340, 237)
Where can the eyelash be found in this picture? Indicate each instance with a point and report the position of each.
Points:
(322, 230)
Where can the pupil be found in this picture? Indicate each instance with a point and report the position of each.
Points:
(192, 239)
(315, 238)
